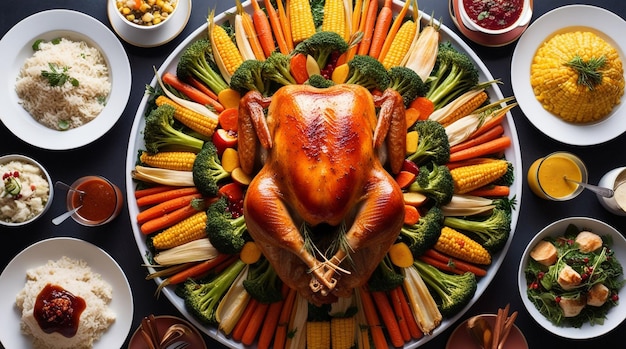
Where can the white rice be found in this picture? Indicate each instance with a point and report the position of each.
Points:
(74, 276)
(66, 106)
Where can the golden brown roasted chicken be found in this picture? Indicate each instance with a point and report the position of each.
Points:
(322, 208)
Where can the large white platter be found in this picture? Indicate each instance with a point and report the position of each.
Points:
(513, 154)
(13, 279)
(607, 25)
(16, 47)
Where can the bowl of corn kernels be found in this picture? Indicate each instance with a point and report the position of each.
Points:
(145, 14)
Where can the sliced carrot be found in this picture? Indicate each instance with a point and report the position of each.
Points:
(188, 90)
(229, 98)
(167, 219)
(166, 207)
(492, 191)
(229, 119)
(139, 193)
(491, 147)
(381, 29)
(368, 27)
(405, 178)
(424, 105)
(489, 135)
(454, 265)
(411, 115)
(411, 214)
(297, 67)
(156, 198)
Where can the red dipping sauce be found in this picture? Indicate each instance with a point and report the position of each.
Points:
(494, 14)
(58, 310)
(101, 202)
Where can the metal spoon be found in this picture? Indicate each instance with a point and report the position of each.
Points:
(602, 191)
(59, 219)
(480, 330)
(68, 187)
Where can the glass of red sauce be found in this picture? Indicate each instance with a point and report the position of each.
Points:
(495, 16)
(101, 200)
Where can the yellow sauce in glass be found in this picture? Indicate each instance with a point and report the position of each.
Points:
(545, 176)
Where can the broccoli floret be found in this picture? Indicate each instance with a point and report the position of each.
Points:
(277, 68)
(432, 143)
(424, 234)
(385, 277)
(368, 72)
(508, 177)
(452, 291)
(491, 231)
(249, 77)
(202, 298)
(159, 132)
(321, 46)
(195, 61)
(408, 84)
(454, 74)
(226, 231)
(207, 170)
(434, 181)
(262, 283)
(317, 80)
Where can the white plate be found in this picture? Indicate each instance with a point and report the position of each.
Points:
(16, 47)
(607, 25)
(513, 154)
(13, 279)
(615, 316)
(150, 37)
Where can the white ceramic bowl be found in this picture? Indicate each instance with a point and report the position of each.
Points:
(174, 3)
(522, 20)
(614, 317)
(25, 159)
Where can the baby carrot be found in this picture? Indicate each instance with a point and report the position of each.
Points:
(490, 147)
(159, 197)
(166, 207)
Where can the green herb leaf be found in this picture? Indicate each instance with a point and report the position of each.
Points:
(58, 77)
(589, 73)
(36, 44)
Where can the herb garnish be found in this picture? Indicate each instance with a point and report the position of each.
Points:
(56, 77)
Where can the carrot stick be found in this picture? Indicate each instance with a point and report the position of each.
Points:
(368, 27)
(297, 67)
(468, 162)
(424, 105)
(271, 321)
(493, 121)
(414, 329)
(229, 119)
(381, 28)
(201, 86)
(389, 318)
(490, 147)
(167, 219)
(397, 309)
(254, 324)
(378, 337)
(393, 30)
(188, 90)
(277, 29)
(283, 321)
(489, 135)
(157, 198)
(404, 178)
(263, 29)
(491, 191)
(166, 207)
(452, 264)
(196, 270)
(244, 320)
(139, 193)
(285, 25)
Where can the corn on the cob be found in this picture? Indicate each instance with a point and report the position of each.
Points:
(335, 18)
(202, 124)
(424, 52)
(577, 76)
(187, 230)
(318, 335)
(400, 45)
(225, 52)
(458, 245)
(468, 178)
(466, 108)
(342, 333)
(459, 106)
(171, 160)
(300, 20)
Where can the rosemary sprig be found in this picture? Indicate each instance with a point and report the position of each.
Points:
(589, 73)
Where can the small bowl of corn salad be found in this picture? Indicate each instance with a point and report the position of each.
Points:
(145, 14)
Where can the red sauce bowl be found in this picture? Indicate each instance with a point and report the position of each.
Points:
(101, 200)
(494, 17)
